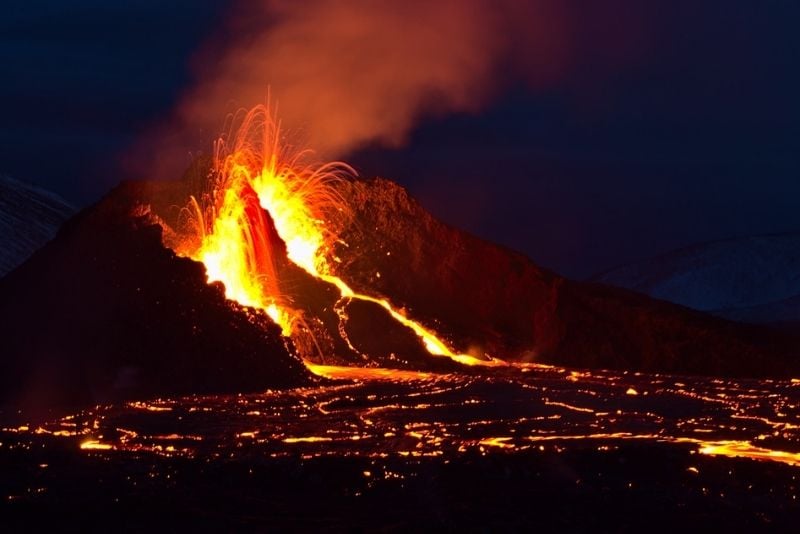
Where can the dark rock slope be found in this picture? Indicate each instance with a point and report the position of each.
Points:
(490, 299)
(104, 312)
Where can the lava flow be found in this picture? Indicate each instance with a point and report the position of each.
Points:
(267, 206)
(432, 415)
(258, 180)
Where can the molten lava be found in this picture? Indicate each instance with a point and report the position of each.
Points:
(256, 173)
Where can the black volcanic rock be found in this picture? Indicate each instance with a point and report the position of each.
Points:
(488, 299)
(485, 298)
(29, 217)
(104, 312)
(620, 329)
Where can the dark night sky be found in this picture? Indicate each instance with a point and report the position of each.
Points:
(697, 139)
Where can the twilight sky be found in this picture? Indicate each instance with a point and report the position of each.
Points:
(676, 122)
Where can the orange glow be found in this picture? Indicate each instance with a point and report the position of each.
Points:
(499, 442)
(745, 449)
(256, 173)
(367, 373)
(307, 439)
(94, 445)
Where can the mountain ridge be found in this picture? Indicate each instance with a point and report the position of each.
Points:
(29, 217)
(751, 279)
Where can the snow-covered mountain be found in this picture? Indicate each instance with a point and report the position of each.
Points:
(785, 311)
(751, 279)
(29, 217)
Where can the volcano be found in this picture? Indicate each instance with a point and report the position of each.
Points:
(267, 331)
(119, 305)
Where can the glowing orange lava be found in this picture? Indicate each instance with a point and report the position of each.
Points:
(257, 169)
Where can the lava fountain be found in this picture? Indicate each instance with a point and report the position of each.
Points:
(260, 186)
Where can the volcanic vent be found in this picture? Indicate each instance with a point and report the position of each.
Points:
(267, 222)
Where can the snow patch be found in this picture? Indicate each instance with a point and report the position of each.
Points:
(29, 217)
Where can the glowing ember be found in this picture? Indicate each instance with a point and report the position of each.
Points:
(257, 173)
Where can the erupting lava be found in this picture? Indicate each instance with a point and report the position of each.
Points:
(229, 230)
(256, 173)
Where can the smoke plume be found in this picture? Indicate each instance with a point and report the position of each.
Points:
(347, 74)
